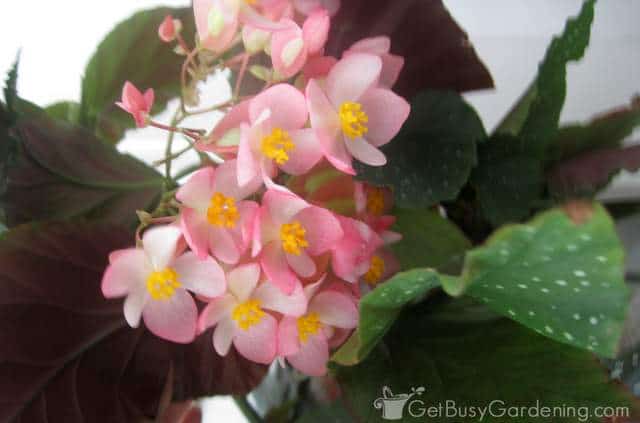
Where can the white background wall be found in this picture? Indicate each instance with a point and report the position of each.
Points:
(58, 37)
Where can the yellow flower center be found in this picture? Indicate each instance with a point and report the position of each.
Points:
(353, 120)
(277, 145)
(247, 314)
(375, 201)
(222, 211)
(375, 272)
(308, 325)
(163, 284)
(293, 237)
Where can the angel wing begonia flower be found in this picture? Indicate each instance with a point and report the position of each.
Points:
(373, 206)
(214, 217)
(351, 255)
(137, 104)
(276, 137)
(304, 341)
(242, 315)
(380, 46)
(169, 29)
(155, 280)
(353, 115)
(288, 232)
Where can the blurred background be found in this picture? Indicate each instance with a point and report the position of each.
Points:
(510, 36)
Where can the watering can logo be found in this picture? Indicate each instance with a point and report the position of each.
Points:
(393, 405)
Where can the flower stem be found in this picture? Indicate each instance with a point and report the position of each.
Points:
(246, 408)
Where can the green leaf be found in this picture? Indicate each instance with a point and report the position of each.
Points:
(507, 181)
(473, 364)
(11, 86)
(61, 171)
(428, 240)
(380, 308)
(545, 98)
(131, 52)
(559, 278)
(64, 110)
(431, 158)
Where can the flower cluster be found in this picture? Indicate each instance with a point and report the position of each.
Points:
(279, 241)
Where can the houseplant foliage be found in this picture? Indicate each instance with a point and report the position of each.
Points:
(349, 219)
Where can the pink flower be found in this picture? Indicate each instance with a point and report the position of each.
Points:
(351, 256)
(169, 29)
(353, 114)
(305, 341)
(380, 46)
(291, 47)
(241, 317)
(155, 279)
(373, 205)
(276, 137)
(137, 104)
(382, 266)
(306, 7)
(288, 232)
(227, 131)
(214, 217)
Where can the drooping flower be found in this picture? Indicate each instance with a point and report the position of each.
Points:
(355, 115)
(305, 341)
(214, 217)
(291, 47)
(169, 29)
(351, 255)
(380, 46)
(288, 233)
(155, 279)
(137, 104)
(276, 137)
(242, 316)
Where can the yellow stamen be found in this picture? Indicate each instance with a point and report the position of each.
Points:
(375, 201)
(247, 314)
(308, 325)
(163, 284)
(293, 237)
(353, 120)
(222, 211)
(375, 272)
(277, 145)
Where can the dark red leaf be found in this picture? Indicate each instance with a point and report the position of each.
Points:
(437, 52)
(67, 355)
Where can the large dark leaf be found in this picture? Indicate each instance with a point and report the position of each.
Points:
(67, 355)
(461, 356)
(431, 158)
(132, 51)
(63, 171)
(438, 54)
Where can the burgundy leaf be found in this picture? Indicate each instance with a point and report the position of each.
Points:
(67, 355)
(437, 52)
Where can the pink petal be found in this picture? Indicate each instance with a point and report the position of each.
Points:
(387, 113)
(282, 206)
(392, 65)
(351, 256)
(195, 228)
(198, 190)
(306, 154)
(238, 115)
(318, 67)
(148, 97)
(323, 229)
(316, 30)
(128, 270)
(365, 152)
(302, 264)
(202, 277)
(222, 245)
(277, 269)
(335, 309)
(352, 76)
(253, 18)
(306, 7)
(160, 245)
(167, 30)
(259, 342)
(173, 319)
(223, 336)
(226, 182)
(288, 342)
(132, 98)
(312, 357)
(248, 166)
(243, 232)
(374, 45)
(336, 153)
(229, 11)
(215, 311)
(272, 298)
(287, 105)
(243, 280)
(133, 305)
(323, 114)
(288, 50)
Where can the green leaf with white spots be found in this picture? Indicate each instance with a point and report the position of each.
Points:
(560, 278)
(380, 308)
